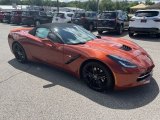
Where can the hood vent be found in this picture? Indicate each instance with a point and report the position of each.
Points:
(126, 48)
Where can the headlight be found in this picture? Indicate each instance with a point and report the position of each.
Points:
(124, 62)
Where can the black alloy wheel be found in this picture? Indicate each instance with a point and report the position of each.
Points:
(19, 53)
(131, 34)
(97, 76)
(100, 31)
(120, 29)
(91, 27)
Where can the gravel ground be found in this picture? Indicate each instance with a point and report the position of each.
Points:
(38, 92)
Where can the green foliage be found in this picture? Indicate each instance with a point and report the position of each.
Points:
(90, 5)
(149, 2)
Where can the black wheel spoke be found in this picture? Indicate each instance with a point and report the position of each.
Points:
(19, 53)
(95, 76)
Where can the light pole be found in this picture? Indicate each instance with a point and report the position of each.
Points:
(97, 6)
(58, 6)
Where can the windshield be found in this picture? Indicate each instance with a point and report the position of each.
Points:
(25, 14)
(146, 13)
(74, 34)
(7, 13)
(79, 15)
(13, 13)
(108, 15)
(89, 14)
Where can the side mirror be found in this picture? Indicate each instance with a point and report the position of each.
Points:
(51, 36)
(54, 38)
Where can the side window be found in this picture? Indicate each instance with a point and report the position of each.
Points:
(42, 33)
(120, 15)
(42, 14)
(125, 16)
(69, 15)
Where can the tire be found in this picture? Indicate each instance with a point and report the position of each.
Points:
(19, 53)
(120, 29)
(9, 22)
(37, 22)
(91, 27)
(97, 76)
(100, 31)
(158, 35)
(131, 34)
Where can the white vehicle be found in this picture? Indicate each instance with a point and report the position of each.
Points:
(145, 21)
(62, 17)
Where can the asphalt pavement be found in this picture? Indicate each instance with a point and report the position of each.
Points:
(38, 92)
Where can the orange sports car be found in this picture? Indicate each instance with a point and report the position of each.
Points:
(102, 62)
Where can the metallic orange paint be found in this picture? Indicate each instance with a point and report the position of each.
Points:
(59, 55)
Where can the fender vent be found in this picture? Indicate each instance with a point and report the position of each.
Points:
(126, 48)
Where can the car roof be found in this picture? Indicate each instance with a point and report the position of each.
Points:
(66, 12)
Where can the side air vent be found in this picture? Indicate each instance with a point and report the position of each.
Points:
(126, 48)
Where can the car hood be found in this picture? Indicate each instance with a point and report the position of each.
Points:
(119, 47)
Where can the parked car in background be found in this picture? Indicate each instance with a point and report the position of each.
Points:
(1, 16)
(62, 17)
(86, 19)
(113, 21)
(50, 13)
(145, 21)
(35, 18)
(16, 17)
(7, 17)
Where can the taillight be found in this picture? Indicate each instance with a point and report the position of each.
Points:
(156, 19)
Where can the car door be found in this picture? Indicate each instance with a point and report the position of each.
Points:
(46, 50)
(59, 18)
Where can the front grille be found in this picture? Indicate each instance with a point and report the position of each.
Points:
(144, 76)
(126, 48)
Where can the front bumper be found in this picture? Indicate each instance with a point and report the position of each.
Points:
(144, 30)
(124, 81)
(105, 28)
(130, 77)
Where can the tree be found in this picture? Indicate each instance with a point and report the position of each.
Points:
(149, 2)
(107, 5)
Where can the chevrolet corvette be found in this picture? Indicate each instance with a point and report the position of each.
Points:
(104, 63)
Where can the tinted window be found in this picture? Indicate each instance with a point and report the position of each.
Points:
(79, 15)
(42, 14)
(91, 14)
(61, 15)
(42, 32)
(69, 15)
(13, 13)
(6, 13)
(25, 14)
(33, 12)
(74, 34)
(147, 13)
(108, 15)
